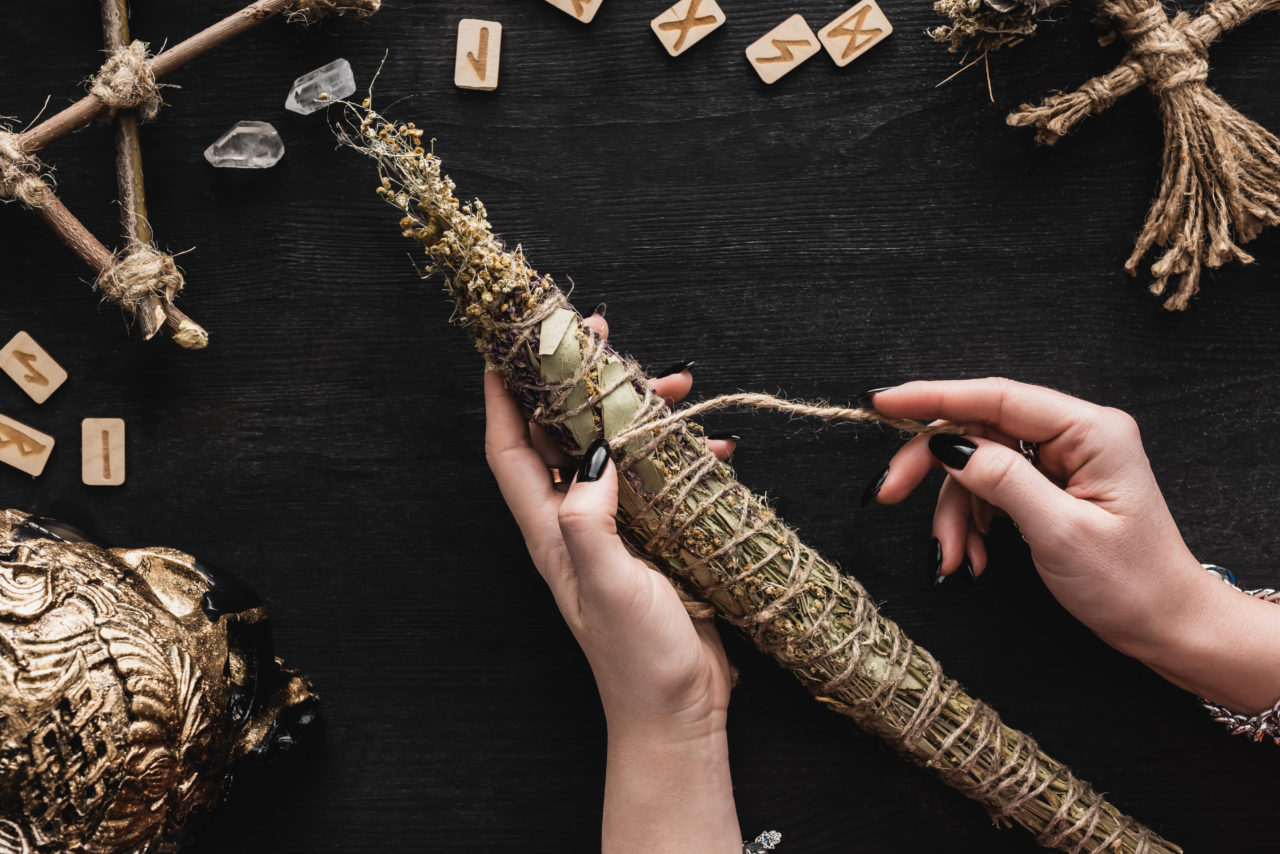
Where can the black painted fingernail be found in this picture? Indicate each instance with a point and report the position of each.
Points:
(677, 368)
(935, 563)
(873, 488)
(865, 400)
(594, 462)
(953, 451)
(723, 435)
(601, 309)
(967, 566)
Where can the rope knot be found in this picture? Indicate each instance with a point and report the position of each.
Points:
(19, 172)
(1169, 56)
(1100, 95)
(144, 282)
(126, 82)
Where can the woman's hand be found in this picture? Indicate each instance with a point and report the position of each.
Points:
(1099, 531)
(663, 678)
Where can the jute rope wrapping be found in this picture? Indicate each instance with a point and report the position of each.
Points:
(682, 510)
(19, 173)
(1221, 178)
(126, 82)
(143, 282)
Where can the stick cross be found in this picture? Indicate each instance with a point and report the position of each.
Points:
(142, 279)
(1221, 178)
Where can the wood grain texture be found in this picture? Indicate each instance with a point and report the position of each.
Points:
(838, 230)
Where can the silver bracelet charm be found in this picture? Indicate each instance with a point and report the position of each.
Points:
(766, 841)
(1264, 724)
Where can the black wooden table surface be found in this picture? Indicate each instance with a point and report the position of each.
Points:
(841, 229)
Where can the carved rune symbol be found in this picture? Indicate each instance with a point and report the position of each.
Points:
(857, 19)
(481, 64)
(26, 446)
(28, 361)
(690, 21)
(783, 47)
(579, 6)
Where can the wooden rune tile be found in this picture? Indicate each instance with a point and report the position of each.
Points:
(783, 48)
(31, 367)
(23, 447)
(102, 451)
(687, 23)
(583, 10)
(476, 64)
(855, 32)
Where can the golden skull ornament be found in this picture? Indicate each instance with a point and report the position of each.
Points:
(131, 680)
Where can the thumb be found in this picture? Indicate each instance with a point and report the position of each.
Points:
(1006, 479)
(588, 519)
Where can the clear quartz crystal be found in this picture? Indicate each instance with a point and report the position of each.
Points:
(248, 145)
(317, 89)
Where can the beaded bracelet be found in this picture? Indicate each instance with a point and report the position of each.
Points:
(766, 841)
(1264, 724)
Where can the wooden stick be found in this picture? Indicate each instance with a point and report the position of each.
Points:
(133, 193)
(135, 223)
(89, 107)
(185, 331)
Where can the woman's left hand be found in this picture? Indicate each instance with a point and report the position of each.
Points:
(663, 677)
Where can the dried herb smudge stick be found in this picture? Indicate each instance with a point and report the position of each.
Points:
(682, 510)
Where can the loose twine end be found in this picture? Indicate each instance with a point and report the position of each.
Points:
(754, 400)
(126, 82)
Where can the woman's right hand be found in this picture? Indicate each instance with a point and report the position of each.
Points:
(1100, 533)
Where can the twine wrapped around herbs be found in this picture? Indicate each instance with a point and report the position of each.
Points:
(682, 510)
(1220, 185)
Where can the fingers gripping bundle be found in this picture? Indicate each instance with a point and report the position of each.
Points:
(682, 509)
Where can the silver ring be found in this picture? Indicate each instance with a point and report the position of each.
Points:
(1030, 450)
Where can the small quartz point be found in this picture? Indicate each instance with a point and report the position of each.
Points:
(318, 89)
(248, 145)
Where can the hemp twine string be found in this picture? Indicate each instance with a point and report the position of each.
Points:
(143, 282)
(126, 82)
(1220, 181)
(962, 758)
(19, 173)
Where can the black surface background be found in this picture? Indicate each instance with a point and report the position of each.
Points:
(838, 230)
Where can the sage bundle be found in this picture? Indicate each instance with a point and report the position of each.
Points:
(682, 510)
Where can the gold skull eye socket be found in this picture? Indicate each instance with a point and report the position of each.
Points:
(251, 667)
(226, 594)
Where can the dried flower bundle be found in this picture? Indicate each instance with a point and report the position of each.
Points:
(981, 26)
(683, 510)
